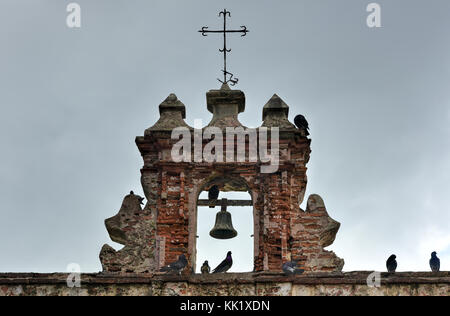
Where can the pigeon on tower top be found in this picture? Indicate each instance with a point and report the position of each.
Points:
(302, 123)
(177, 266)
(225, 265)
(391, 263)
(435, 263)
(205, 268)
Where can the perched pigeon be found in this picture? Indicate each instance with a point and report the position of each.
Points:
(205, 268)
(177, 266)
(213, 194)
(140, 198)
(301, 123)
(290, 268)
(391, 263)
(435, 263)
(225, 265)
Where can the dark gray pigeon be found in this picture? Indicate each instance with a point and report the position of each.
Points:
(205, 268)
(225, 265)
(391, 263)
(213, 194)
(177, 266)
(435, 263)
(301, 123)
(290, 268)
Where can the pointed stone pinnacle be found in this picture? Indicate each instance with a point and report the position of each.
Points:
(275, 102)
(171, 98)
(172, 103)
(225, 86)
(274, 105)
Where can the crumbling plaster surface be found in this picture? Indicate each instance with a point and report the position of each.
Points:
(230, 284)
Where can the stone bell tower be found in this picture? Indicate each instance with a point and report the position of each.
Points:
(167, 225)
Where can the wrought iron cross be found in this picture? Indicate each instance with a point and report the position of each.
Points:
(227, 76)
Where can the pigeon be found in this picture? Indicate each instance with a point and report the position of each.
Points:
(225, 265)
(301, 123)
(177, 266)
(213, 194)
(435, 263)
(140, 198)
(391, 263)
(290, 268)
(205, 268)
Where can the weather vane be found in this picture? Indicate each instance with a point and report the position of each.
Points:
(227, 76)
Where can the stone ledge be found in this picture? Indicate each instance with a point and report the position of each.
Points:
(230, 284)
(347, 278)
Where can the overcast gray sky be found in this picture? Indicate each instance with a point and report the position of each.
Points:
(73, 100)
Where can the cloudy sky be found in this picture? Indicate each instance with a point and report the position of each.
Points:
(73, 100)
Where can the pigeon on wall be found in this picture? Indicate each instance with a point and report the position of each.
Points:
(290, 268)
(205, 268)
(435, 263)
(301, 123)
(391, 263)
(225, 265)
(213, 194)
(177, 266)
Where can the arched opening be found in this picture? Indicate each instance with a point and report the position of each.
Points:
(242, 246)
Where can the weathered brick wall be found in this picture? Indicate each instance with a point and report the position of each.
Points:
(282, 231)
(236, 284)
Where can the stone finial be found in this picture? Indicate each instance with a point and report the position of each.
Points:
(134, 228)
(172, 103)
(225, 105)
(225, 86)
(172, 114)
(275, 114)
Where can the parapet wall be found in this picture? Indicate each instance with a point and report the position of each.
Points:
(230, 284)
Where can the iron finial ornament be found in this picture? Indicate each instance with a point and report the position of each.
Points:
(228, 77)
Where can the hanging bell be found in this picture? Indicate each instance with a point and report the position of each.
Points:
(223, 229)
